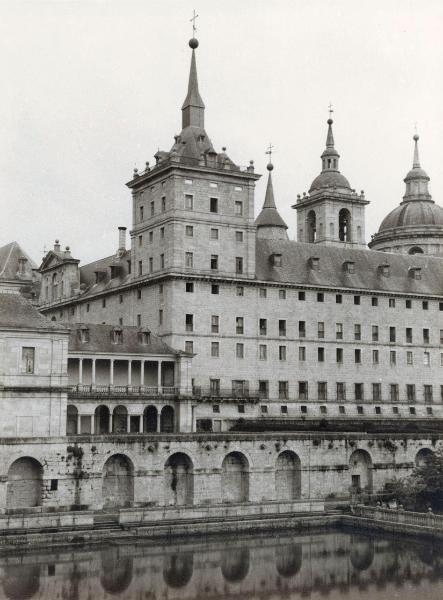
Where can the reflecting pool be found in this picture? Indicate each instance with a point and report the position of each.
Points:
(279, 566)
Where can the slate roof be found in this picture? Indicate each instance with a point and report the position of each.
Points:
(100, 340)
(9, 256)
(297, 268)
(19, 313)
(87, 274)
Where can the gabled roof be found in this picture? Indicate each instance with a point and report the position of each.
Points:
(54, 258)
(18, 313)
(9, 262)
(297, 268)
(100, 340)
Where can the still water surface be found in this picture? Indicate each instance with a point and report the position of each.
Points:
(279, 567)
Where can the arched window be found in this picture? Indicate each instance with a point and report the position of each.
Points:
(344, 225)
(150, 418)
(235, 478)
(415, 250)
(167, 420)
(101, 419)
(288, 476)
(235, 564)
(179, 480)
(311, 224)
(120, 420)
(118, 481)
(71, 420)
(422, 457)
(360, 467)
(24, 483)
(178, 569)
(54, 287)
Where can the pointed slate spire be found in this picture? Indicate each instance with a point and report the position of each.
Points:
(193, 109)
(269, 223)
(330, 136)
(330, 156)
(416, 161)
(417, 179)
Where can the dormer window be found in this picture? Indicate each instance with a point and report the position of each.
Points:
(114, 271)
(144, 336)
(277, 259)
(349, 266)
(117, 335)
(415, 272)
(83, 335)
(314, 263)
(385, 270)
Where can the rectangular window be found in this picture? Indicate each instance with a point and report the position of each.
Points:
(357, 300)
(392, 334)
(140, 240)
(341, 390)
(425, 336)
(376, 392)
(320, 297)
(213, 234)
(392, 358)
(215, 349)
(189, 201)
(103, 303)
(162, 261)
(338, 299)
(302, 329)
(139, 295)
(151, 237)
(140, 267)
(441, 337)
(163, 203)
(189, 231)
(139, 320)
(214, 387)
(391, 302)
(284, 409)
(213, 205)
(282, 352)
(282, 327)
(151, 264)
(152, 208)
(283, 389)
(215, 324)
(238, 208)
(321, 329)
(408, 303)
(374, 301)
(160, 317)
(357, 356)
(302, 296)
(189, 347)
(321, 354)
(28, 359)
(282, 296)
(215, 288)
(426, 359)
(425, 305)
(339, 331)
(214, 262)
(241, 408)
(239, 325)
(189, 286)
(213, 185)
(189, 260)
(240, 351)
(393, 392)
(303, 390)
(322, 390)
(239, 265)
(303, 409)
(160, 288)
(358, 391)
(357, 332)
(162, 233)
(239, 236)
(375, 333)
(88, 306)
(263, 391)
(339, 355)
(240, 290)
(262, 293)
(189, 322)
(375, 357)
(409, 335)
(141, 215)
(302, 353)
(427, 392)
(410, 392)
(263, 326)
(409, 357)
(263, 352)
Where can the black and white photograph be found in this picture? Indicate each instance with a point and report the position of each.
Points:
(221, 300)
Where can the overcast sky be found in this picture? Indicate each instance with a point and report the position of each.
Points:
(91, 89)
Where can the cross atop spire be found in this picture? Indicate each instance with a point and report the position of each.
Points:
(194, 28)
(269, 152)
(331, 110)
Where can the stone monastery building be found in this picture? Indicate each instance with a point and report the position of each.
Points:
(215, 360)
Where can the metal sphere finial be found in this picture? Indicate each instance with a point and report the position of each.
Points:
(193, 43)
(269, 166)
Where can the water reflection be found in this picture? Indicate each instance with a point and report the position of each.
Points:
(283, 566)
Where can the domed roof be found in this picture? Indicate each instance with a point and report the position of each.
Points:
(414, 213)
(329, 179)
(417, 173)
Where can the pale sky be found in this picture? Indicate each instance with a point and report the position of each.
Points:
(91, 89)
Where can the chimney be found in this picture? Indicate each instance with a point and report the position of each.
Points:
(121, 241)
(57, 246)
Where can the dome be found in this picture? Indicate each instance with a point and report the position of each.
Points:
(414, 213)
(329, 179)
(417, 173)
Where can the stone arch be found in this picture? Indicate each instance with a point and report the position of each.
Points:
(118, 481)
(235, 478)
(150, 419)
(288, 476)
(21, 581)
(422, 457)
(179, 480)
(311, 226)
(362, 552)
(25, 482)
(235, 564)
(344, 225)
(167, 420)
(116, 571)
(101, 419)
(415, 250)
(71, 420)
(360, 468)
(288, 559)
(120, 419)
(178, 569)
